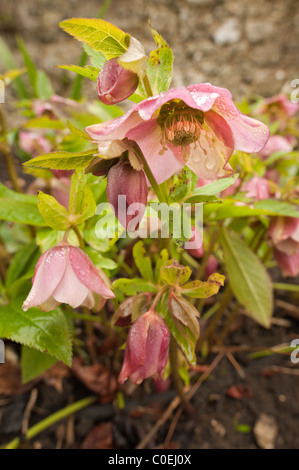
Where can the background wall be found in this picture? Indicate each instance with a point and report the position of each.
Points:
(247, 46)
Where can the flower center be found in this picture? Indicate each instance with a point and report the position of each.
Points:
(180, 124)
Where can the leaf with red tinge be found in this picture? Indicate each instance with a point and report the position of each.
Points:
(100, 437)
(96, 378)
(238, 392)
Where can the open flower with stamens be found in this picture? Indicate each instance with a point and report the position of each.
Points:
(66, 274)
(198, 126)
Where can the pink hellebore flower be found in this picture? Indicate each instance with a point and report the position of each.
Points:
(114, 83)
(147, 348)
(280, 103)
(276, 143)
(257, 188)
(66, 274)
(34, 143)
(284, 232)
(198, 126)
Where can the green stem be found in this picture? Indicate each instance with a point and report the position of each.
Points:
(177, 382)
(284, 286)
(52, 419)
(150, 175)
(147, 86)
(79, 236)
(226, 298)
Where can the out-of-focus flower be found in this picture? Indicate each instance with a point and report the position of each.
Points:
(198, 126)
(34, 143)
(257, 188)
(277, 104)
(127, 193)
(212, 265)
(147, 348)
(284, 234)
(232, 189)
(57, 187)
(114, 83)
(197, 241)
(65, 274)
(276, 143)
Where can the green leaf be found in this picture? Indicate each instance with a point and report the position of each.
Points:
(98, 34)
(163, 256)
(182, 334)
(183, 311)
(143, 262)
(44, 331)
(248, 278)
(203, 290)
(31, 69)
(55, 215)
(275, 207)
(100, 261)
(44, 122)
(133, 286)
(97, 58)
(82, 203)
(34, 363)
(21, 210)
(63, 160)
(159, 68)
(44, 88)
(87, 71)
(9, 62)
(216, 187)
(183, 184)
(23, 263)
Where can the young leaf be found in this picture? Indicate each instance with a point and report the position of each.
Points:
(44, 331)
(34, 363)
(55, 215)
(63, 160)
(248, 278)
(174, 273)
(82, 204)
(184, 312)
(159, 68)
(97, 58)
(161, 260)
(143, 262)
(98, 34)
(87, 71)
(203, 290)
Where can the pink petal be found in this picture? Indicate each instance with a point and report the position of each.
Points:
(282, 228)
(87, 273)
(249, 135)
(49, 272)
(289, 264)
(70, 290)
(148, 136)
(276, 143)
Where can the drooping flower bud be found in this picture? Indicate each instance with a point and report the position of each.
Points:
(114, 83)
(127, 193)
(147, 348)
(284, 234)
(66, 274)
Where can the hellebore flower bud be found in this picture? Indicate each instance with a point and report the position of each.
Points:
(115, 83)
(66, 274)
(284, 233)
(127, 193)
(147, 348)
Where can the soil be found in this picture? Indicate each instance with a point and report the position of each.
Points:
(248, 46)
(227, 406)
